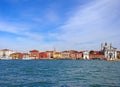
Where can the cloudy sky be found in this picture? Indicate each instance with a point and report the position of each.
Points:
(63, 24)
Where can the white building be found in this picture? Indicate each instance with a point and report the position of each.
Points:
(86, 54)
(5, 54)
(109, 51)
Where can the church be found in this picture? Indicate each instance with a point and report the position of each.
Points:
(109, 51)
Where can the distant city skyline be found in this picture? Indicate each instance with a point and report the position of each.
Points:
(63, 24)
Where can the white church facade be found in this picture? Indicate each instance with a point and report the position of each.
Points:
(109, 51)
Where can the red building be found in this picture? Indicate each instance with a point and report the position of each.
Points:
(34, 54)
(43, 55)
(96, 55)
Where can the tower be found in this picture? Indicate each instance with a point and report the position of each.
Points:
(102, 46)
(110, 45)
(54, 51)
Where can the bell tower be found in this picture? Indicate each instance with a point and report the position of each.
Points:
(101, 46)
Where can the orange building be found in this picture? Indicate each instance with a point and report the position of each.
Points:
(96, 55)
(16, 55)
(34, 54)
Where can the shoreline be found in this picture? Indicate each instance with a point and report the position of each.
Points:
(66, 59)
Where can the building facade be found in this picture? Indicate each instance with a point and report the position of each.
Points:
(65, 55)
(5, 53)
(57, 55)
(50, 54)
(73, 54)
(86, 54)
(118, 54)
(34, 54)
(43, 55)
(16, 55)
(96, 55)
(79, 55)
(25, 56)
(109, 51)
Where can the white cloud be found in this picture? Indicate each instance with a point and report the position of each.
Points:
(19, 29)
(24, 38)
(89, 25)
(8, 28)
(92, 24)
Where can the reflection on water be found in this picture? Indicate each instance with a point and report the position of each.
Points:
(59, 73)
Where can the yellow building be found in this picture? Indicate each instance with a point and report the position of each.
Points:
(57, 55)
(16, 55)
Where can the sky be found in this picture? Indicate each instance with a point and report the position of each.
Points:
(61, 24)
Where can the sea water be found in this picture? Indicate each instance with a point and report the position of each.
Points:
(59, 73)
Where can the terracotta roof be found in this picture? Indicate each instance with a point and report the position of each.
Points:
(5, 50)
(16, 53)
(49, 51)
(42, 52)
(34, 51)
(118, 51)
(57, 52)
(64, 51)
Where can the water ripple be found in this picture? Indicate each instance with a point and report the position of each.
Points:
(59, 73)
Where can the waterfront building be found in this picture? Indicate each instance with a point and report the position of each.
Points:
(5, 53)
(109, 51)
(86, 54)
(96, 55)
(57, 55)
(65, 55)
(25, 56)
(43, 55)
(49, 54)
(118, 54)
(76, 55)
(73, 54)
(79, 55)
(34, 54)
(16, 55)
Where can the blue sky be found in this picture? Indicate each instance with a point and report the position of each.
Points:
(63, 24)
